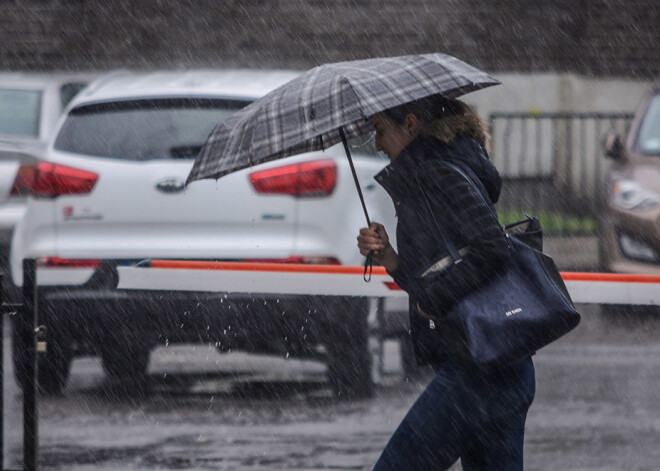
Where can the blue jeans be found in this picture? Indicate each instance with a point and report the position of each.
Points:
(475, 416)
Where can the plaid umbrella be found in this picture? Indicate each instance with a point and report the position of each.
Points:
(327, 105)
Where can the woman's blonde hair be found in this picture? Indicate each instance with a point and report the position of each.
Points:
(444, 118)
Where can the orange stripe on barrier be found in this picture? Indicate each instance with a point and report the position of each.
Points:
(353, 270)
(264, 267)
(392, 286)
(610, 277)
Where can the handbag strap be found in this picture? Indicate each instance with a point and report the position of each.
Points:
(453, 252)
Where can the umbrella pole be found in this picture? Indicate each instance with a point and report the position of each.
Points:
(355, 177)
(368, 263)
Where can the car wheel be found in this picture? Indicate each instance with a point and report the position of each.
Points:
(347, 346)
(53, 364)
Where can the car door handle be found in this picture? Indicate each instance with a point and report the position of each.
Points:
(170, 185)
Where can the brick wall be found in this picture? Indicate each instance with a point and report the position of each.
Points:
(590, 37)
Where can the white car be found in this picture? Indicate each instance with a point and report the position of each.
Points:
(112, 192)
(30, 106)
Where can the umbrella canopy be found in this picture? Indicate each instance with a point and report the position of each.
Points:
(312, 111)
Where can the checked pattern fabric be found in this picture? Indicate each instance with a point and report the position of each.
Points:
(306, 113)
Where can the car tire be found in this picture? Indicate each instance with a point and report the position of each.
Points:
(53, 365)
(347, 345)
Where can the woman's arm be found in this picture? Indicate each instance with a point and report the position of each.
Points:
(458, 206)
(375, 239)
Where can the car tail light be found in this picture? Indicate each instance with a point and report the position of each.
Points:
(52, 180)
(315, 178)
(297, 259)
(23, 180)
(57, 262)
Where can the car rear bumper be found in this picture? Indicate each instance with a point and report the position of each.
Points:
(261, 323)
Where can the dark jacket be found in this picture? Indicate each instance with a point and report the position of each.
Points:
(462, 213)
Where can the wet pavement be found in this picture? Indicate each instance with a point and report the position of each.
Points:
(597, 408)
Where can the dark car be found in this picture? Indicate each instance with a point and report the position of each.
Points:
(631, 216)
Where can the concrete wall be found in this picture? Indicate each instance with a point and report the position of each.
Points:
(602, 38)
(552, 55)
(551, 92)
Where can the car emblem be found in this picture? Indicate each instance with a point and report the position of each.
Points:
(170, 185)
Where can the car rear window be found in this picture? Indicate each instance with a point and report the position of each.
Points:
(19, 112)
(648, 139)
(143, 129)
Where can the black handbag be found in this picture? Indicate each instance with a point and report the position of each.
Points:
(522, 308)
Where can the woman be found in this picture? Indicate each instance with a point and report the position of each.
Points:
(465, 412)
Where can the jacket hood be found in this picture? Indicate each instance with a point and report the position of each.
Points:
(470, 152)
(463, 150)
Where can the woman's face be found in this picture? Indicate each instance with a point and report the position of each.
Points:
(391, 137)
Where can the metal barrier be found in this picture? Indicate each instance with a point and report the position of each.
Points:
(553, 162)
(243, 277)
(31, 338)
(329, 280)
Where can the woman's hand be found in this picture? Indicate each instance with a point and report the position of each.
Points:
(375, 238)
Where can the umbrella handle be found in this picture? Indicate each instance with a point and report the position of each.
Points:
(368, 263)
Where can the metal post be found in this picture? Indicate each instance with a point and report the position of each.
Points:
(2, 374)
(25, 332)
(27, 324)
